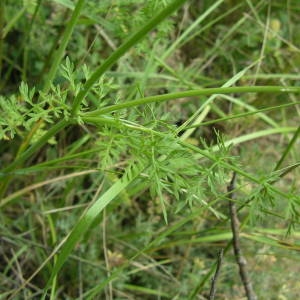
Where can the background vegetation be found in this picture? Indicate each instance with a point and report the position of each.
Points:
(121, 125)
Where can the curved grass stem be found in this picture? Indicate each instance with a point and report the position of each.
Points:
(113, 58)
(193, 93)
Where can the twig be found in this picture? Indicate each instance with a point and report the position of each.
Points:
(215, 277)
(240, 259)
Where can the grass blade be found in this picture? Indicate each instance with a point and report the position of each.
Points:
(113, 58)
(90, 215)
(65, 40)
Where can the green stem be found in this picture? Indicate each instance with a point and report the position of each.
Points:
(27, 40)
(60, 52)
(2, 7)
(12, 22)
(36, 146)
(91, 214)
(229, 166)
(203, 152)
(241, 115)
(31, 150)
(194, 93)
(113, 58)
(54, 66)
(288, 149)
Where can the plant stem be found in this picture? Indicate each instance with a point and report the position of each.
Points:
(12, 22)
(22, 156)
(240, 115)
(201, 152)
(113, 58)
(240, 259)
(31, 150)
(2, 7)
(64, 42)
(54, 66)
(194, 93)
(216, 275)
(288, 149)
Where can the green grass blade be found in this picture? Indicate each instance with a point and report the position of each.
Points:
(65, 40)
(161, 236)
(271, 241)
(90, 215)
(257, 111)
(146, 291)
(251, 108)
(113, 58)
(288, 148)
(36, 146)
(12, 22)
(204, 109)
(190, 29)
(29, 152)
(13, 196)
(255, 135)
(56, 163)
(65, 3)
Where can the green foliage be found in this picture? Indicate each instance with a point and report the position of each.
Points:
(121, 124)
(19, 113)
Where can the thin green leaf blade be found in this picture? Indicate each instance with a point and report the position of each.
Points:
(90, 215)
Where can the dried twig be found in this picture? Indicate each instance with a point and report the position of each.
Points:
(240, 259)
(215, 277)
